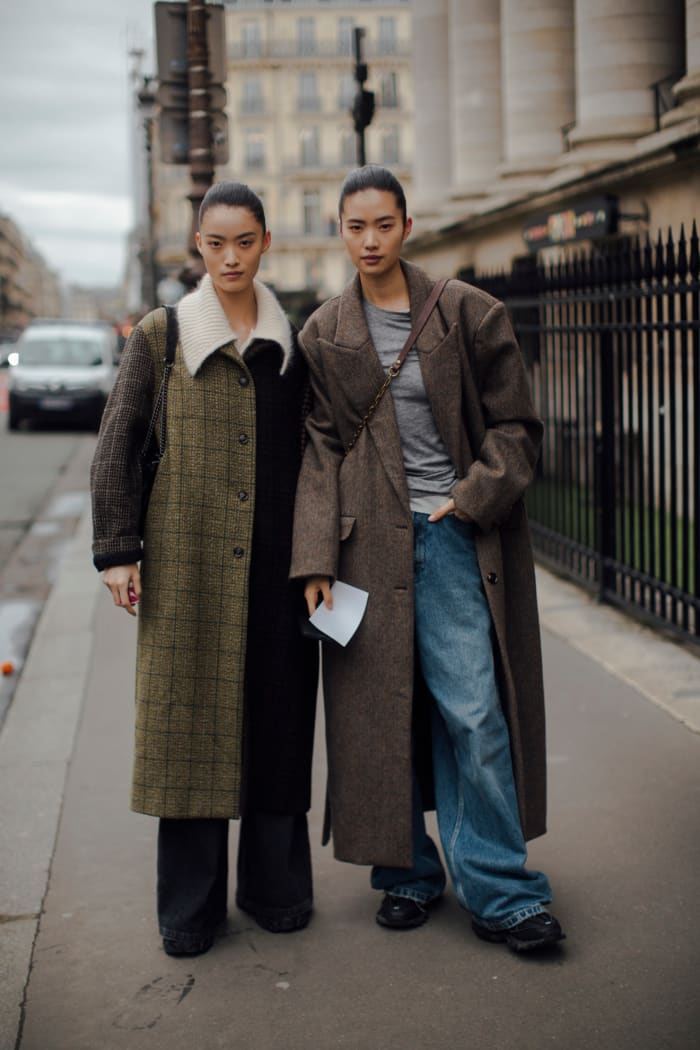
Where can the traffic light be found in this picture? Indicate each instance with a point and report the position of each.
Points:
(173, 94)
(362, 109)
(363, 104)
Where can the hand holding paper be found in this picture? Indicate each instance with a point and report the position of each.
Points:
(341, 622)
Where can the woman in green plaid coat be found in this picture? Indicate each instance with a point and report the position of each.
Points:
(225, 685)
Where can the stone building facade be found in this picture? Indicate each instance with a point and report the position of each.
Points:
(534, 118)
(28, 287)
(289, 88)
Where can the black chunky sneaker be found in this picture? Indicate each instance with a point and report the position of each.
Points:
(539, 931)
(401, 913)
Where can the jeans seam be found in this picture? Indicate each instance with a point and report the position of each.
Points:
(453, 842)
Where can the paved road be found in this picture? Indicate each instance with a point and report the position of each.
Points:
(32, 462)
(43, 493)
(623, 855)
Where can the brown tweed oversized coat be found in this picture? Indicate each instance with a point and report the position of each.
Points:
(353, 522)
(225, 686)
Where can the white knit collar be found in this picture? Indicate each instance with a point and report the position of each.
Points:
(204, 327)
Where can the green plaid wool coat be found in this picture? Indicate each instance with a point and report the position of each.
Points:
(225, 686)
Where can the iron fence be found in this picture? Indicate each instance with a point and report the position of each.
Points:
(612, 342)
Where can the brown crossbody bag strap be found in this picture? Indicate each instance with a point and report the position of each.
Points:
(395, 368)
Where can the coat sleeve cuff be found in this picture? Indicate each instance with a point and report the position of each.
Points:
(107, 561)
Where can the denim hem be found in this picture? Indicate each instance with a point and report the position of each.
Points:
(191, 942)
(269, 914)
(413, 895)
(514, 919)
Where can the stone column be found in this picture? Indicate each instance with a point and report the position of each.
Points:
(475, 90)
(687, 90)
(537, 39)
(432, 162)
(622, 48)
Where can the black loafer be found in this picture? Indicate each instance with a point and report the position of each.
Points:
(401, 913)
(539, 931)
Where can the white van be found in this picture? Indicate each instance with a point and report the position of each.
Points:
(61, 370)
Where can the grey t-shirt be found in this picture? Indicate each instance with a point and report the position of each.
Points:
(429, 470)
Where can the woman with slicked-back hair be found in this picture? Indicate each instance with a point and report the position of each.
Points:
(422, 442)
(225, 685)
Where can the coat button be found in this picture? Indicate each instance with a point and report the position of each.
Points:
(243, 438)
(492, 577)
(243, 496)
(243, 380)
(238, 552)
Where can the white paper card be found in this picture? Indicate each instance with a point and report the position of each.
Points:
(341, 622)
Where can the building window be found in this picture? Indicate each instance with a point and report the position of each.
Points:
(390, 146)
(254, 150)
(387, 35)
(309, 101)
(306, 36)
(348, 149)
(310, 148)
(345, 28)
(312, 212)
(389, 94)
(251, 39)
(346, 90)
(253, 101)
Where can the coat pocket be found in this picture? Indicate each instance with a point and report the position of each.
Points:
(347, 522)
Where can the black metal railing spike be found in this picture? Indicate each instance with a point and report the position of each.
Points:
(670, 257)
(614, 261)
(586, 268)
(648, 260)
(626, 263)
(659, 267)
(636, 261)
(576, 278)
(694, 260)
(682, 260)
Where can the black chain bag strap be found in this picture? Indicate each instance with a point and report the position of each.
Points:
(395, 368)
(153, 448)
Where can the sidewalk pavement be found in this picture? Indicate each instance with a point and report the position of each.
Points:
(81, 966)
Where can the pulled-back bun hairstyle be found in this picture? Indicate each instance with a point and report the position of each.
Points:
(372, 177)
(233, 195)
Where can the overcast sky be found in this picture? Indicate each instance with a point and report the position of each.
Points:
(64, 139)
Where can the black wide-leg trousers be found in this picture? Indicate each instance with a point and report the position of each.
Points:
(274, 882)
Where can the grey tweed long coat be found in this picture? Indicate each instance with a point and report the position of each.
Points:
(353, 522)
(225, 685)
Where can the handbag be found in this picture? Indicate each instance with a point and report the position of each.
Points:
(153, 448)
(395, 368)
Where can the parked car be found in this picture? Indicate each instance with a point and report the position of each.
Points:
(61, 370)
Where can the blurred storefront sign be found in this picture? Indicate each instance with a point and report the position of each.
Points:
(586, 220)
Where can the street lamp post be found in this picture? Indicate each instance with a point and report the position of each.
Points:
(146, 100)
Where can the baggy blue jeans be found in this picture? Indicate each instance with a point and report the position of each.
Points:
(477, 808)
